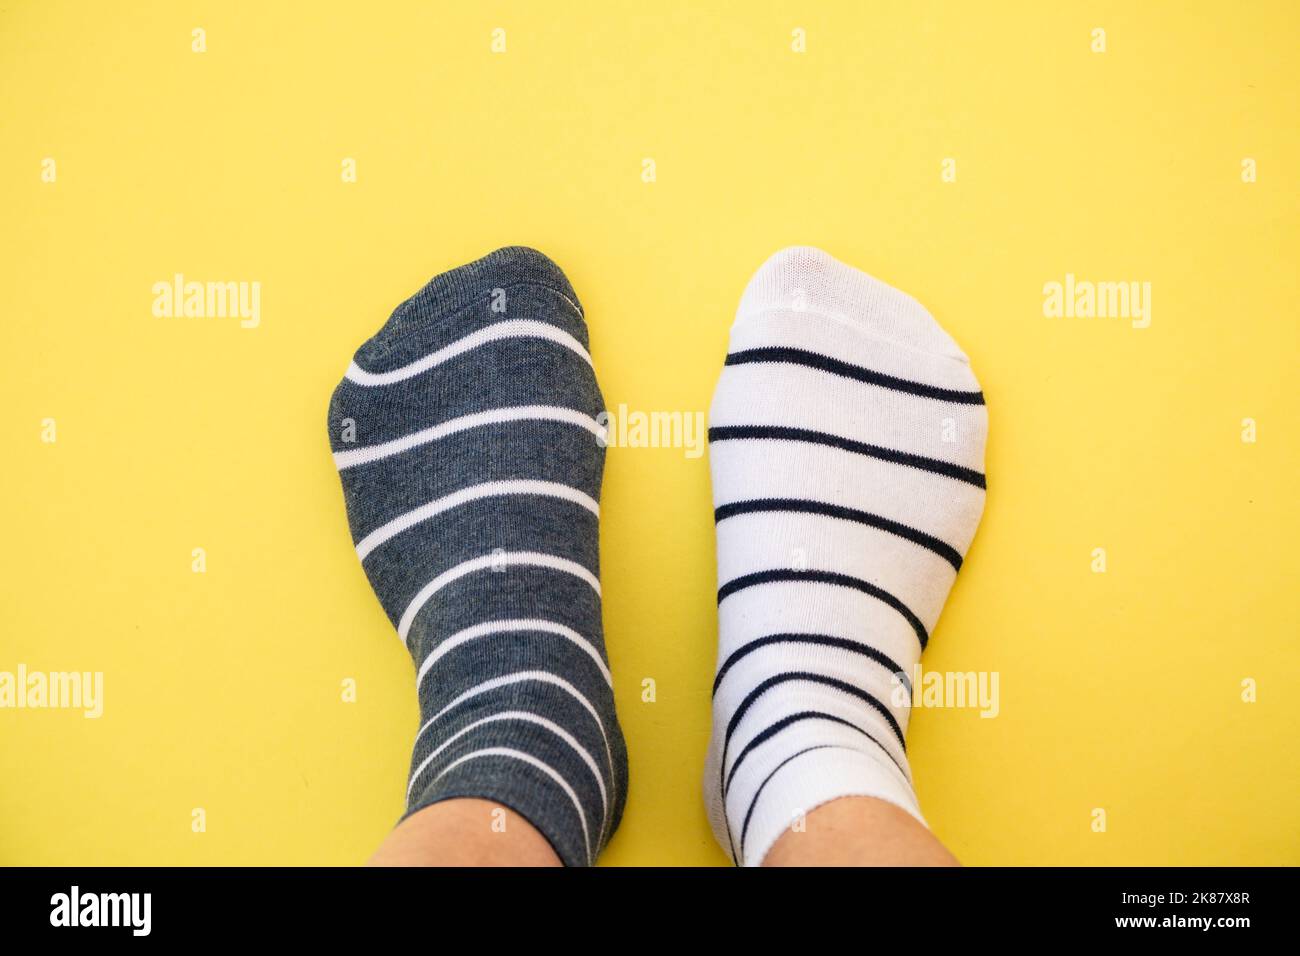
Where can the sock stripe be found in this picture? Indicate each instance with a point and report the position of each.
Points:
(543, 677)
(786, 433)
(825, 577)
(526, 717)
(505, 680)
(824, 363)
(488, 628)
(540, 765)
(499, 560)
(489, 489)
(843, 643)
(930, 542)
(788, 676)
(496, 416)
(773, 729)
(498, 331)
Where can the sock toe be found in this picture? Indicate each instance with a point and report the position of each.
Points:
(807, 279)
(464, 292)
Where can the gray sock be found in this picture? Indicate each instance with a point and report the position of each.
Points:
(465, 436)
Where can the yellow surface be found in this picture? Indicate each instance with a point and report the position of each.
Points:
(1120, 691)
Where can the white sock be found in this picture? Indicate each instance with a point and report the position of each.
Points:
(846, 442)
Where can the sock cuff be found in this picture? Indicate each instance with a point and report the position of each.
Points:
(511, 776)
(806, 782)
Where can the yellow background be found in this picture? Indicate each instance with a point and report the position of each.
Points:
(1119, 691)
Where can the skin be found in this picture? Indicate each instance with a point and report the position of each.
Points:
(851, 831)
(465, 833)
(859, 831)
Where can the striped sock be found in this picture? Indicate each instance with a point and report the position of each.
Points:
(846, 442)
(465, 436)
